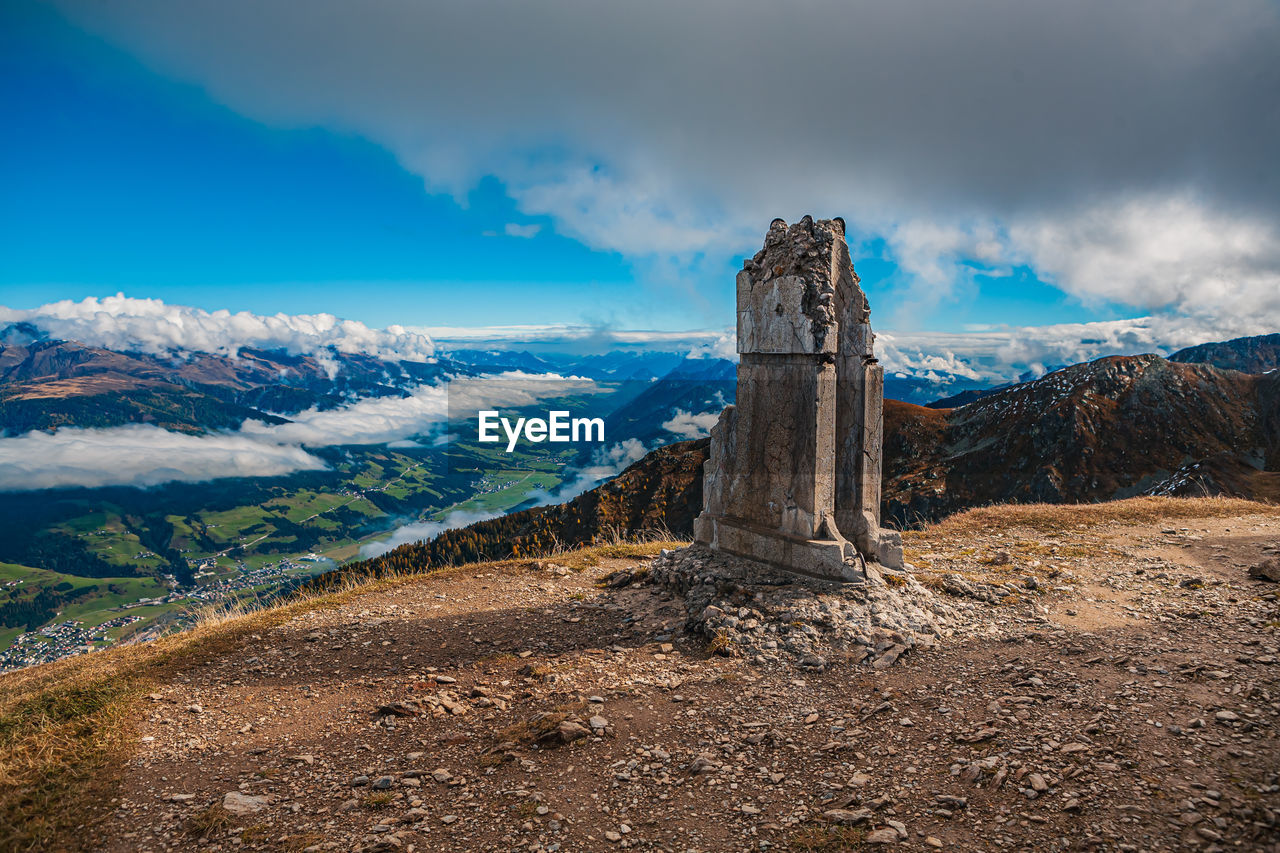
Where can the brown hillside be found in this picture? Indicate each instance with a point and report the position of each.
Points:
(1109, 429)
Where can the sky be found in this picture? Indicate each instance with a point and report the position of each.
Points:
(1011, 172)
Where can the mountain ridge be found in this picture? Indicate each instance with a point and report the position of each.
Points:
(45, 384)
(1104, 430)
(1256, 354)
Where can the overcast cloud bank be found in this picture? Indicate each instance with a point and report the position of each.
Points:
(1124, 151)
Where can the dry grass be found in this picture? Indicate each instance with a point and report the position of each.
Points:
(207, 821)
(933, 581)
(378, 800)
(721, 644)
(913, 556)
(539, 727)
(589, 557)
(65, 726)
(298, 843)
(826, 839)
(255, 836)
(1071, 517)
(612, 534)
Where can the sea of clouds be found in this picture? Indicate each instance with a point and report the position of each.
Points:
(140, 455)
(606, 462)
(420, 531)
(147, 455)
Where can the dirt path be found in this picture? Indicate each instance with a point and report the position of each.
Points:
(1125, 699)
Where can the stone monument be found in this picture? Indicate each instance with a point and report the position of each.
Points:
(793, 478)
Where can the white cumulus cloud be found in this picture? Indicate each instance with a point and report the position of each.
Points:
(512, 229)
(1161, 253)
(725, 346)
(687, 425)
(1001, 354)
(152, 326)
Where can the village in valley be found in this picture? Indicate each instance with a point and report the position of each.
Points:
(70, 637)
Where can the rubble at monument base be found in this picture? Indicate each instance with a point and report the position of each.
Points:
(743, 608)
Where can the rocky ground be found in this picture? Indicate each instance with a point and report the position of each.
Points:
(1102, 686)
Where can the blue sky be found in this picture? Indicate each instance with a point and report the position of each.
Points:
(446, 165)
(120, 179)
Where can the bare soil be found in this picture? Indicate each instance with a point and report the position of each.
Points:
(1126, 698)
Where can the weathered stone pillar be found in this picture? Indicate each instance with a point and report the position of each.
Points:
(797, 460)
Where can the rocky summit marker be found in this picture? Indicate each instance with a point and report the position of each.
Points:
(793, 479)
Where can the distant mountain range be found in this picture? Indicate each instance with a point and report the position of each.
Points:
(620, 366)
(1205, 421)
(45, 384)
(1108, 429)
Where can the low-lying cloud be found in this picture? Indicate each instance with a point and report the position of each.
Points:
(374, 420)
(146, 455)
(687, 425)
(606, 463)
(140, 455)
(422, 531)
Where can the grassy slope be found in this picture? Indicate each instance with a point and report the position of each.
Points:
(1059, 517)
(132, 589)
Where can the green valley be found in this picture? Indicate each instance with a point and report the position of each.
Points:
(86, 568)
